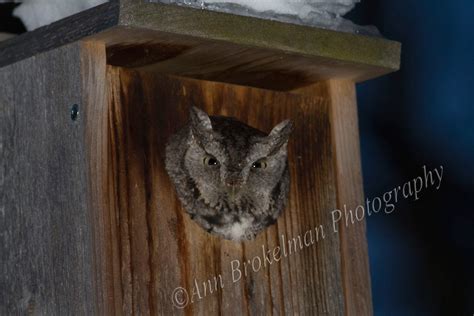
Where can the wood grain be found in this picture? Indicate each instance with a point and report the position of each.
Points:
(204, 59)
(214, 46)
(104, 226)
(91, 223)
(349, 56)
(62, 32)
(161, 248)
(350, 192)
(46, 242)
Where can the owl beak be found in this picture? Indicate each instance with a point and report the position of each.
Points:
(232, 183)
(233, 192)
(233, 187)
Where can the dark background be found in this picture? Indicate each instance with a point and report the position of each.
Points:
(421, 255)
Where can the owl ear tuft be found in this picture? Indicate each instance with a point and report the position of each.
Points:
(200, 119)
(283, 129)
(280, 134)
(201, 126)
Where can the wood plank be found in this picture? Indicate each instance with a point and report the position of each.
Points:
(62, 32)
(104, 225)
(261, 33)
(162, 248)
(240, 50)
(46, 239)
(350, 192)
(353, 241)
(225, 61)
(214, 46)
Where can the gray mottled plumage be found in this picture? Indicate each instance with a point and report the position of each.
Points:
(232, 179)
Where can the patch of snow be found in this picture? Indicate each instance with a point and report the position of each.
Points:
(37, 13)
(326, 14)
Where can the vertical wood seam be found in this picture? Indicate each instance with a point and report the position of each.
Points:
(94, 103)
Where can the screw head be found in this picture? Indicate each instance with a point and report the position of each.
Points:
(74, 112)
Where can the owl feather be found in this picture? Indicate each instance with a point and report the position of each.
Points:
(232, 179)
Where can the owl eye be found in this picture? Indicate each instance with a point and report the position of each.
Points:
(260, 164)
(210, 161)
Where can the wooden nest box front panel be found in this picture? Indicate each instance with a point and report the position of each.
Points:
(85, 144)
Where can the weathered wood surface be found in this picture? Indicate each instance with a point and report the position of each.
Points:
(160, 248)
(214, 46)
(46, 242)
(66, 31)
(230, 62)
(350, 195)
(361, 57)
(95, 119)
(90, 221)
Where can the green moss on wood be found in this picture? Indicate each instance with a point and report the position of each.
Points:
(296, 39)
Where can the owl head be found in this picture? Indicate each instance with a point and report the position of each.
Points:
(234, 165)
(232, 179)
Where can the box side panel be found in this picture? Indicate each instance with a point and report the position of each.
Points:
(45, 229)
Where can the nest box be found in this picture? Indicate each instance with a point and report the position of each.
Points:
(90, 222)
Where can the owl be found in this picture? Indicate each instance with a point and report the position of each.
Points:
(232, 179)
